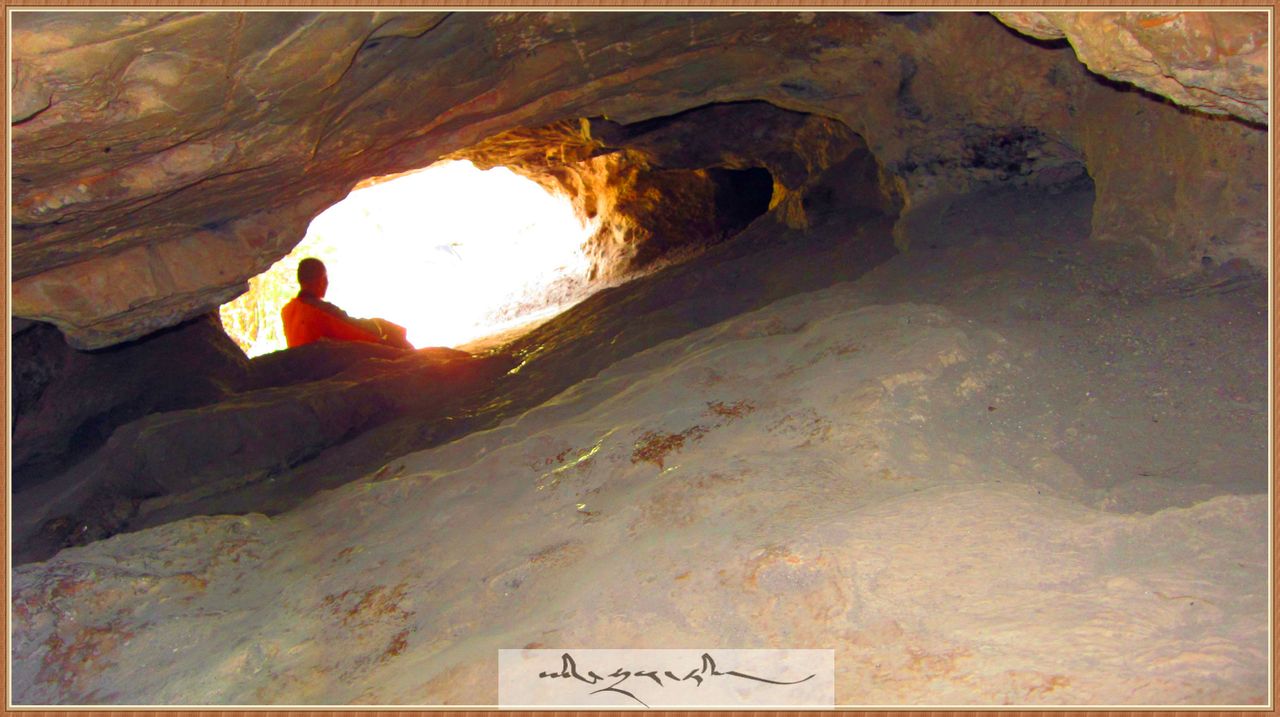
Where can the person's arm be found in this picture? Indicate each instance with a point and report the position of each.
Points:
(348, 329)
(329, 321)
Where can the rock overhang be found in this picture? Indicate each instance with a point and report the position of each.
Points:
(161, 159)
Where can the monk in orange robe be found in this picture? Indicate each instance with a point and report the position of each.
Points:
(308, 317)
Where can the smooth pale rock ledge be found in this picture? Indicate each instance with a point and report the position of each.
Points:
(807, 476)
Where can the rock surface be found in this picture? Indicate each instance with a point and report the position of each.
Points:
(67, 403)
(161, 159)
(1214, 62)
(989, 472)
(289, 432)
(667, 188)
(1022, 462)
(287, 408)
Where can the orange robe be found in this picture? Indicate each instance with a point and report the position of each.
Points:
(307, 319)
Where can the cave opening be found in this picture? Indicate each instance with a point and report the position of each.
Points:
(452, 252)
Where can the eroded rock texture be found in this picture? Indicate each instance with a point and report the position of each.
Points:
(67, 403)
(1022, 462)
(96, 461)
(673, 186)
(161, 159)
(946, 471)
(1210, 61)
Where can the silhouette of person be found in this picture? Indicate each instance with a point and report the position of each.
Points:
(308, 317)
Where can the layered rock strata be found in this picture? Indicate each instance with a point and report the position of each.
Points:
(1214, 62)
(161, 159)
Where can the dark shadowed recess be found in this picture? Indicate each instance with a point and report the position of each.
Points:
(741, 196)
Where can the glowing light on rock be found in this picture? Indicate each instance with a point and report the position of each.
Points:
(452, 253)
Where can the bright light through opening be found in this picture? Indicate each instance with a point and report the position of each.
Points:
(452, 253)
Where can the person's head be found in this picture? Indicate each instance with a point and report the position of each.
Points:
(312, 277)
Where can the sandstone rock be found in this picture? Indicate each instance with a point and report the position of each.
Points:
(771, 480)
(1206, 206)
(667, 188)
(295, 404)
(244, 438)
(1214, 62)
(315, 362)
(67, 403)
(161, 159)
(686, 456)
(604, 329)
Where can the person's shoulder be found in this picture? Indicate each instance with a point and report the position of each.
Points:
(310, 300)
(318, 303)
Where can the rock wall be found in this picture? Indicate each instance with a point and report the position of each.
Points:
(666, 188)
(161, 159)
(1214, 62)
(67, 403)
(144, 442)
(1190, 190)
(289, 428)
(907, 469)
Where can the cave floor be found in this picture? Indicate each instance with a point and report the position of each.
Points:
(1008, 466)
(1152, 389)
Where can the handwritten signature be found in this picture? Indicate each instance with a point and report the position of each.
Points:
(569, 671)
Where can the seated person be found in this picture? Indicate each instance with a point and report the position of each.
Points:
(308, 317)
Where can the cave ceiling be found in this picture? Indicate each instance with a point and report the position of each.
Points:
(160, 159)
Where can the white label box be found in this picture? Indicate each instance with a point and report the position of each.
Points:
(666, 679)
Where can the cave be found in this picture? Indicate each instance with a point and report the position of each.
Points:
(935, 340)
